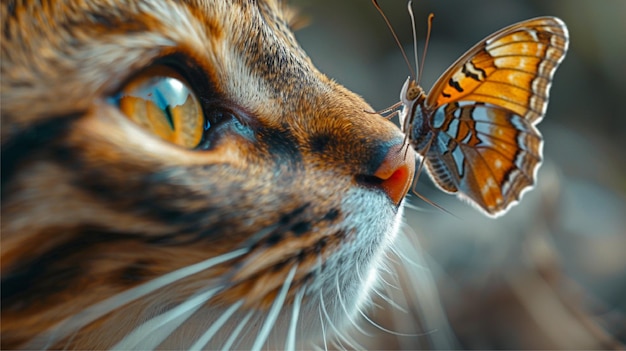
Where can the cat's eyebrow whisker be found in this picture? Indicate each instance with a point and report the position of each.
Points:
(274, 311)
(201, 343)
(290, 342)
(162, 326)
(72, 324)
(228, 345)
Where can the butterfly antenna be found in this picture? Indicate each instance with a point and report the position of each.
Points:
(417, 176)
(410, 9)
(431, 17)
(406, 59)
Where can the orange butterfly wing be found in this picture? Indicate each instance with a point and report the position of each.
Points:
(511, 68)
(484, 108)
(487, 154)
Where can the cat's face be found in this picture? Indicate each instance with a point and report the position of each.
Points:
(262, 213)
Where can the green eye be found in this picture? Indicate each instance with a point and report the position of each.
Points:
(161, 101)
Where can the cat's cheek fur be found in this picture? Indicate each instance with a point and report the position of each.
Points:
(336, 297)
(113, 237)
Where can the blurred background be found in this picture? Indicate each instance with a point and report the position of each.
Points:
(551, 274)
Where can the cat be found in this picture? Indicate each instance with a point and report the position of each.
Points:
(178, 175)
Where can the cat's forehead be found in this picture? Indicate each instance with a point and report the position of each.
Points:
(88, 48)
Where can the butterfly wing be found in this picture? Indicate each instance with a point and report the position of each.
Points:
(512, 68)
(484, 108)
(486, 153)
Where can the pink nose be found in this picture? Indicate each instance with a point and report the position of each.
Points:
(396, 172)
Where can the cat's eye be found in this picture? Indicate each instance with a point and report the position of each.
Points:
(161, 101)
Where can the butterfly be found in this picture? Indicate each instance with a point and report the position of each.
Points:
(475, 129)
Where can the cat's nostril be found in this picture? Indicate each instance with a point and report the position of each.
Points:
(396, 172)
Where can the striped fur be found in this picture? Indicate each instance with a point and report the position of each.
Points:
(112, 237)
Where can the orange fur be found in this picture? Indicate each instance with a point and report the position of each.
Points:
(93, 205)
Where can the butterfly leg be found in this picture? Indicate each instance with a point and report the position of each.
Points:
(417, 175)
(390, 111)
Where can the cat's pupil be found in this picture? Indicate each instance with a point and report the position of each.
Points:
(162, 102)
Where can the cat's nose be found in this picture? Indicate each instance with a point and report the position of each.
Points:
(396, 172)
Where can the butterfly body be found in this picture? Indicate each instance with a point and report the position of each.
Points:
(476, 128)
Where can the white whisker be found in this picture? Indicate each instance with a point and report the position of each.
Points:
(405, 259)
(391, 260)
(323, 304)
(70, 340)
(343, 306)
(332, 325)
(386, 283)
(352, 343)
(233, 336)
(290, 343)
(338, 334)
(370, 301)
(378, 292)
(319, 308)
(400, 245)
(390, 301)
(69, 325)
(166, 323)
(387, 330)
(272, 315)
(391, 273)
(420, 282)
(206, 337)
